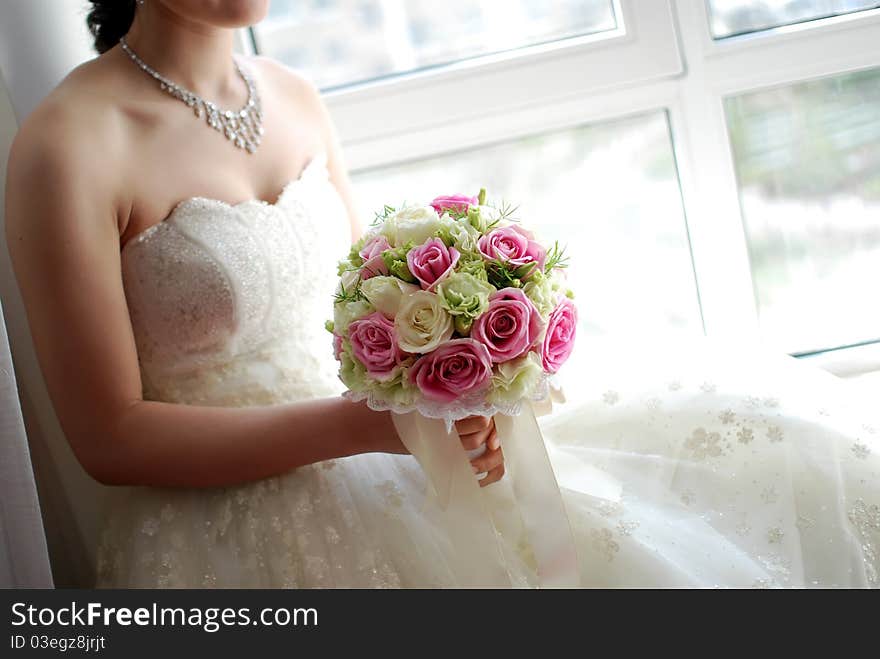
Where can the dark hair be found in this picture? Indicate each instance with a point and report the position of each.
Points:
(109, 21)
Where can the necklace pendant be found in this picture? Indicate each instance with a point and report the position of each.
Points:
(244, 127)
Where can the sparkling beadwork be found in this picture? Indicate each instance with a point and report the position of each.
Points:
(865, 518)
(603, 542)
(703, 444)
(610, 397)
(775, 535)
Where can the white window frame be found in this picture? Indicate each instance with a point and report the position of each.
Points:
(718, 69)
(379, 121)
(523, 87)
(661, 58)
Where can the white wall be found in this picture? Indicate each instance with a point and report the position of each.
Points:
(40, 41)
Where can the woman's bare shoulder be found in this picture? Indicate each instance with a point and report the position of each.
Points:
(80, 121)
(74, 140)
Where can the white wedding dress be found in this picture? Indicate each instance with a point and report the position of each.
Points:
(721, 472)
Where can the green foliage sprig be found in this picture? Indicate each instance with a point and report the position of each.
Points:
(556, 258)
(503, 276)
(351, 295)
(386, 212)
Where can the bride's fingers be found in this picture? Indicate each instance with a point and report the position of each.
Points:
(476, 440)
(493, 476)
(473, 424)
(474, 432)
(493, 442)
(488, 461)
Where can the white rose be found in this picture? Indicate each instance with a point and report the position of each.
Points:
(386, 293)
(422, 323)
(348, 282)
(411, 224)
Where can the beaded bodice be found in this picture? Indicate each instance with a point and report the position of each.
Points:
(228, 302)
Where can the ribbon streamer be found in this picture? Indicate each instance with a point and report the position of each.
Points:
(539, 499)
(479, 559)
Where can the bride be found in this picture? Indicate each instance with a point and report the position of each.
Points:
(173, 261)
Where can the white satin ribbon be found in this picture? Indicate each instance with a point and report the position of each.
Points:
(478, 561)
(479, 557)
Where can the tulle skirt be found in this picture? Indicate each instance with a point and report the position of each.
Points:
(723, 469)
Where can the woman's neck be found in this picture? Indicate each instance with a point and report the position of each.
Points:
(194, 55)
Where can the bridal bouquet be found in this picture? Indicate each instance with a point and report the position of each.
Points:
(451, 309)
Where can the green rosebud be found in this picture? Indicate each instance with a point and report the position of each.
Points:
(352, 373)
(482, 197)
(395, 261)
(329, 326)
(463, 325)
(354, 256)
(345, 266)
(401, 270)
(464, 295)
(474, 267)
(476, 219)
(526, 270)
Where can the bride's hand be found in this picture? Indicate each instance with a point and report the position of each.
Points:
(479, 432)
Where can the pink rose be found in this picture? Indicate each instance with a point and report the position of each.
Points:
(374, 247)
(374, 344)
(454, 370)
(431, 262)
(512, 245)
(559, 340)
(510, 327)
(374, 267)
(337, 346)
(454, 202)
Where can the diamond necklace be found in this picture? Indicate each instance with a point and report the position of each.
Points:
(243, 128)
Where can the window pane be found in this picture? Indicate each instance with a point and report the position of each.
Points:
(337, 42)
(808, 163)
(735, 17)
(608, 191)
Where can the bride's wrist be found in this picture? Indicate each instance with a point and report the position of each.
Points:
(373, 432)
(387, 438)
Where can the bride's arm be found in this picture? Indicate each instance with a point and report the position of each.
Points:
(63, 237)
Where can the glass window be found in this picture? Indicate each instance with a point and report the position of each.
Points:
(608, 191)
(808, 166)
(735, 17)
(337, 42)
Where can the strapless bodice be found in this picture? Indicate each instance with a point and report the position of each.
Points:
(228, 302)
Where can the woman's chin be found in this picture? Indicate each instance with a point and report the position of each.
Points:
(243, 13)
(222, 13)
